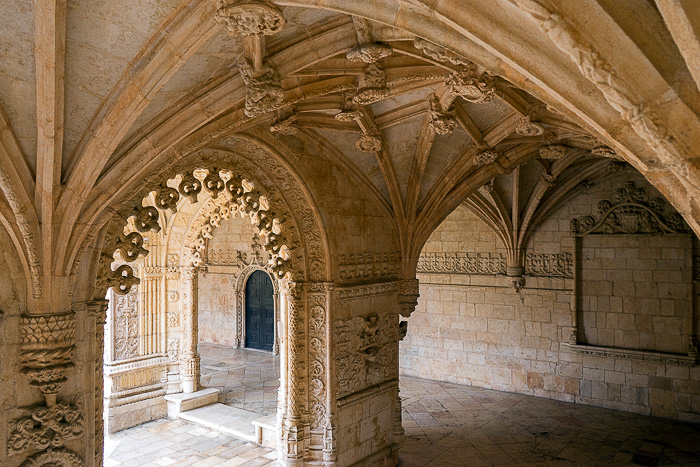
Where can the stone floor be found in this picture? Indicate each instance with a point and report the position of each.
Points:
(453, 425)
(446, 425)
(248, 379)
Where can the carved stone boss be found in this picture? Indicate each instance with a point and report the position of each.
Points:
(631, 212)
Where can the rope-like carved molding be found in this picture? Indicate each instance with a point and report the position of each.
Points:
(231, 194)
(47, 343)
(632, 213)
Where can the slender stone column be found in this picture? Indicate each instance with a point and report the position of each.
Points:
(294, 434)
(189, 358)
(98, 310)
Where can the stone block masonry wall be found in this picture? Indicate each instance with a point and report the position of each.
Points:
(474, 328)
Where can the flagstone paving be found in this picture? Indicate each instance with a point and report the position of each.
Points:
(446, 425)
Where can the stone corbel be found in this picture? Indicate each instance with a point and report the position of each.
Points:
(409, 292)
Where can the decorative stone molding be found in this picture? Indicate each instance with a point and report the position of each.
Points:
(462, 263)
(42, 427)
(348, 116)
(346, 293)
(372, 85)
(369, 266)
(264, 92)
(318, 372)
(439, 54)
(409, 291)
(485, 157)
(244, 18)
(369, 53)
(47, 343)
(632, 213)
(550, 265)
(605, 151)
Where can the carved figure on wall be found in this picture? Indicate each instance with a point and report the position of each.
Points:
(126, 326)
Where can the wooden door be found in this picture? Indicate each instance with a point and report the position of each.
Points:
(259, 312)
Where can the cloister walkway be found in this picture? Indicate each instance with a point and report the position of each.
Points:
(446, 425)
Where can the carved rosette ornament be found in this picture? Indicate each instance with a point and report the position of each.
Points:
(369, 143)
(409, 292)
(244, 18)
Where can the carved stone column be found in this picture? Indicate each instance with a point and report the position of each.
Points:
(98, 310)
(47, 344)
(294, 431)
(189, 358)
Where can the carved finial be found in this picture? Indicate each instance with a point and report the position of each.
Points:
(244, 18)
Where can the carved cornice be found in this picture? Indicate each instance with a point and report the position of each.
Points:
(365, 267)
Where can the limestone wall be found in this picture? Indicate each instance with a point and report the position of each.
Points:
(473, 328)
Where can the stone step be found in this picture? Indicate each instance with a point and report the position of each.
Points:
(266, 430)
(235, 422)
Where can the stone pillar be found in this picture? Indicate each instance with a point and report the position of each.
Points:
(97, 309)
(294, 429)
(189, 358)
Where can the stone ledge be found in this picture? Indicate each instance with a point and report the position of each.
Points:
(182, 402)
(646, 355)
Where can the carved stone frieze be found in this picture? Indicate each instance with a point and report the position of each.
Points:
(631, 213)
(550, 265)
(244, 18)
(317, 354)
(462, 263)
(42, 427)
(367, 290)
(369, 266)
(264, 92)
